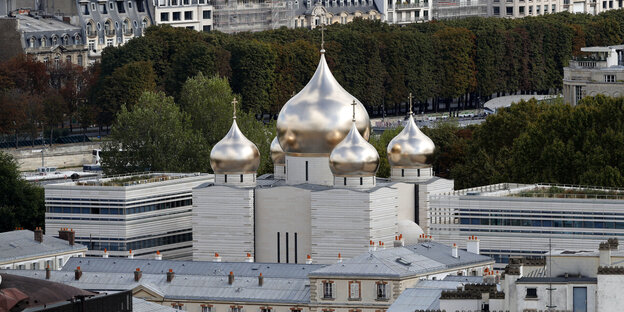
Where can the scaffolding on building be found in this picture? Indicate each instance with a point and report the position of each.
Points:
(454, 9)
(232, 16)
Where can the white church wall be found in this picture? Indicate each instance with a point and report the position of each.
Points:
(318, 171)
(223, 219)
(406, 208)
(344, 221)
(283, 209)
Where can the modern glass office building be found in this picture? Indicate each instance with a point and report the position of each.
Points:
(527, 220)
(144, 213)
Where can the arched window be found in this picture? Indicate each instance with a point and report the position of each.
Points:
(31, 42)
(126, 27)
(145, 23)
(43, 41)
(54, 40)
(66, 40)
(77, 39)
(108, 28)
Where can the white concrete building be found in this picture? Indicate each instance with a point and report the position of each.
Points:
(323, 198)
(191, 14)
(27, 250)
(519, 220)
(602, 72)
(133, 215)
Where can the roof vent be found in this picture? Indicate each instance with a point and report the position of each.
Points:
(403, 262)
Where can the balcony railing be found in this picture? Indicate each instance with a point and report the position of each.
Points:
(110, 32)
(588, 64)
(412, 5)
(128, 31)
(91, 34)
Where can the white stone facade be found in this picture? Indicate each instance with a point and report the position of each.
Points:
(191, 14)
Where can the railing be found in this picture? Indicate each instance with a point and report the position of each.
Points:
(128, 31)
(412, 5)
(92, 34)
(588, 64)
(110, 32)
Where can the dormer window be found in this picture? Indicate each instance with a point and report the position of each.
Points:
(43, 41)
(66, 40)
(31, 42)
(77, 39)
(54, 40)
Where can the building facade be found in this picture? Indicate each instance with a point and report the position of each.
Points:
(191, 14)
(28, 250)
(46, 39)
(521, 220)
(601, 72)
(309, 15)
(132, 215)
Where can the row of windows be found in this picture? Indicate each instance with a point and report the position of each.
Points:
(54, 40)
(110, 31)
(102, 8)
(182, 2)
(121, 211)
(544, 223)
(210, 308)
(136, 245)
(533, 216)
(533, 212)
(523, 10)
(559, 233)
(355, 290)
(188, 16)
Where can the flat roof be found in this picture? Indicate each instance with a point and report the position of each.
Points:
(134, 180)
(30, 24)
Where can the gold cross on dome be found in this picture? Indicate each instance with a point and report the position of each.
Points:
(353, 104)
(410, 102)
(234, 102)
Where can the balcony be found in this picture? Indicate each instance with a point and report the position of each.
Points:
(414, 5)
(128, 31)
(91, 33)
(109, 32)
(588, 64)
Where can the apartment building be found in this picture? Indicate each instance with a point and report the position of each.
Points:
(601, 71)
(522, 8)
(527, 220)
(191, 14)
(133, 215)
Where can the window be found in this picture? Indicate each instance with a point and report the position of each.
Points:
(236, 308)
(578, 91)
(297, 309)
(328, 290)
(60, 260)
(206, 14)
(84, 9)
(207, 308)
(381, 291)
(207, 28)
(531, 10)
(521, 10)
(265, 309)
(80, 59)
(120, 7)
(54, 40)
(496, 10)
(43, 41)
(31, 42)
(509, 10)
(66, 40)
(354, 290)
(187, 2)
(140, 6)
(609, 78)
(109, 42)
(177, 306)
(554, 8)
(103, 8)
(129, 4)
(164, 17)
(91, 45)
(176, 16)
(93, 6)
(68, 59)
(545, 8)
(111, 6)
(188, 15)
(531, 293)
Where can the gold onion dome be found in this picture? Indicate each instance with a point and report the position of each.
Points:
(316, 119)
(277, 153)
(234, 153)
(354, 156)
(411, 148)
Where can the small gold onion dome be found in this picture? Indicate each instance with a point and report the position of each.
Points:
(234, 153)
(316, 119)
(354, 156)
(411, 148)
(277, 153)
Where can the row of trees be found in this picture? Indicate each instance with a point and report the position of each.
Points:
(463, 60)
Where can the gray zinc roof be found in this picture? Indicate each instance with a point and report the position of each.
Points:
(187, 287)
(21, 244)
(29, 24)
(203, 268)
(419, 259)
(140, 305)
(424, 296)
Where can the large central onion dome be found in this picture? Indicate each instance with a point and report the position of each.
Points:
(354, 156)
(234, 154)
(411, 148)
(316, 119)
(277, 153)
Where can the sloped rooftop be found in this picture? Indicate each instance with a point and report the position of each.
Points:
(413, 260)
(22, 244)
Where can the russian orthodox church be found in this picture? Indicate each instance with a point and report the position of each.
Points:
(323, 199)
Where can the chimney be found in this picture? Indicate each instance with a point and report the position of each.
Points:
(398, 242)
(309, 260)
(231, 278)
(71, 237)
(605, 254)
(260, 280)
(339, 258)
(47, 272)
(455, 251)
(170, 275)
(473, 245)
(371, 246)
(249, 258)
(39, 234)
(217, 258)
(77, 273)
(105, 255)
(381, 245)
(130, 255)
(158, 255)
(137, 274)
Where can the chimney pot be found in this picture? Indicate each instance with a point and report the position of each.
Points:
(249, 258)
(217, 258)
(309, 260)
(231, 278)
(170, 275)
(158, 255)
(130, 255)
(260, 280)
(39, 235)
(77, 273)
(137, 275)
(455, 251)
(47, 272)
(339, 258)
